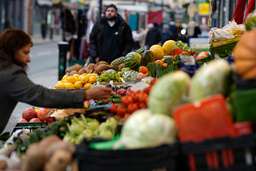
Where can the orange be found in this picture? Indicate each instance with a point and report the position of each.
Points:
(167, 46)
(143, 69)
(158, 51)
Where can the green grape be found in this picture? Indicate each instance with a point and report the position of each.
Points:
(112, 76)
(106, 74)
(107, 79)
(117, 76)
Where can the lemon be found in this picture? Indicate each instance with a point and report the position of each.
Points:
(78, 84)
(59, 85)
(84, 79)
(69, 85)
(64, 77)
(167, 46)
(92, 79)
(87, 85)
(64, 81)
(71, 79)
(84, 74)
(77, 77)
(95, 75)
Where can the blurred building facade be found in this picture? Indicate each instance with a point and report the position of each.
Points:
(29, 14)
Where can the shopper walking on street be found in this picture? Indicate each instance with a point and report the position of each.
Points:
(111, 37)
(166, 34)
(17, 87)
(153, 36)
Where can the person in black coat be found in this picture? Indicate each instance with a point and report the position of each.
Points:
(111, 37)
(153, 36)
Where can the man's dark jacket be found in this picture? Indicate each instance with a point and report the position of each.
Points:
(124, 42)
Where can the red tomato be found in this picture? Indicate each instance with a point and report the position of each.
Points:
(135, 97)
(142, 105)
(153, 81)
(130, 93)
(126, 100)
(121, 110)
(143, 97)
(132, 107)
(113, 108)
(127, 115)
(147, 89)
(138, 91)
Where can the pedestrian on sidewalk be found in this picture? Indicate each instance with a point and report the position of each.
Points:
(17, 87)
(111, 37)
(43, 28)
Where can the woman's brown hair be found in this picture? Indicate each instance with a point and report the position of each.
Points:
(11, 40)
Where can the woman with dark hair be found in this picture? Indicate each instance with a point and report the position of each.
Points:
(17, 87)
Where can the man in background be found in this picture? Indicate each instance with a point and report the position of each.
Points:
(153, 36)
(111, 37)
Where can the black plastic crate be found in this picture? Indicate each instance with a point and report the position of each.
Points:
(29, 125)
(222, 154)
(148, 159)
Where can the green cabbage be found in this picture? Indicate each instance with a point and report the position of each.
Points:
(168, 92)
(144, 130)
(213, 78)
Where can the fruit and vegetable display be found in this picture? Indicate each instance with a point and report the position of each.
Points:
(155, 102)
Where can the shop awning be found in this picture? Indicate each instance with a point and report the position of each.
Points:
(44, 2)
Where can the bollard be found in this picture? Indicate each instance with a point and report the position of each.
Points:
(63, 47)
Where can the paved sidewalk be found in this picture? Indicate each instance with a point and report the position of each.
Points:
(38, 40)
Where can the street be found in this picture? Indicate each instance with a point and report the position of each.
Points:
(43, 70)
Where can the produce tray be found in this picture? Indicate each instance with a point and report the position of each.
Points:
(29, 125)
(222, 51)
(148, 159)
(204, 119)
(221, 154)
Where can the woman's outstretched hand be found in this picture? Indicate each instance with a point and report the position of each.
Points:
(99, 93)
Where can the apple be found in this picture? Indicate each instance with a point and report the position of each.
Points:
(22, 120)
(29, 113)
(42, 112)
(34, 120)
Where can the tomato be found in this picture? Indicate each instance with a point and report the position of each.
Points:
(132, 107)
(135, 97)
(113, 108)
(121, 110)
(153, 81)
(147, 89)
(127, 115)
(126, 100)
(143, 97)
(143, 105)
(138, 91)
(130, 93)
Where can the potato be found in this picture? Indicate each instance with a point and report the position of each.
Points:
(76, 67)
(82, 71)
(59, 161)
(34, 159)
(73, 72)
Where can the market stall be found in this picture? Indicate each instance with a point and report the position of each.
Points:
(173, 108)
